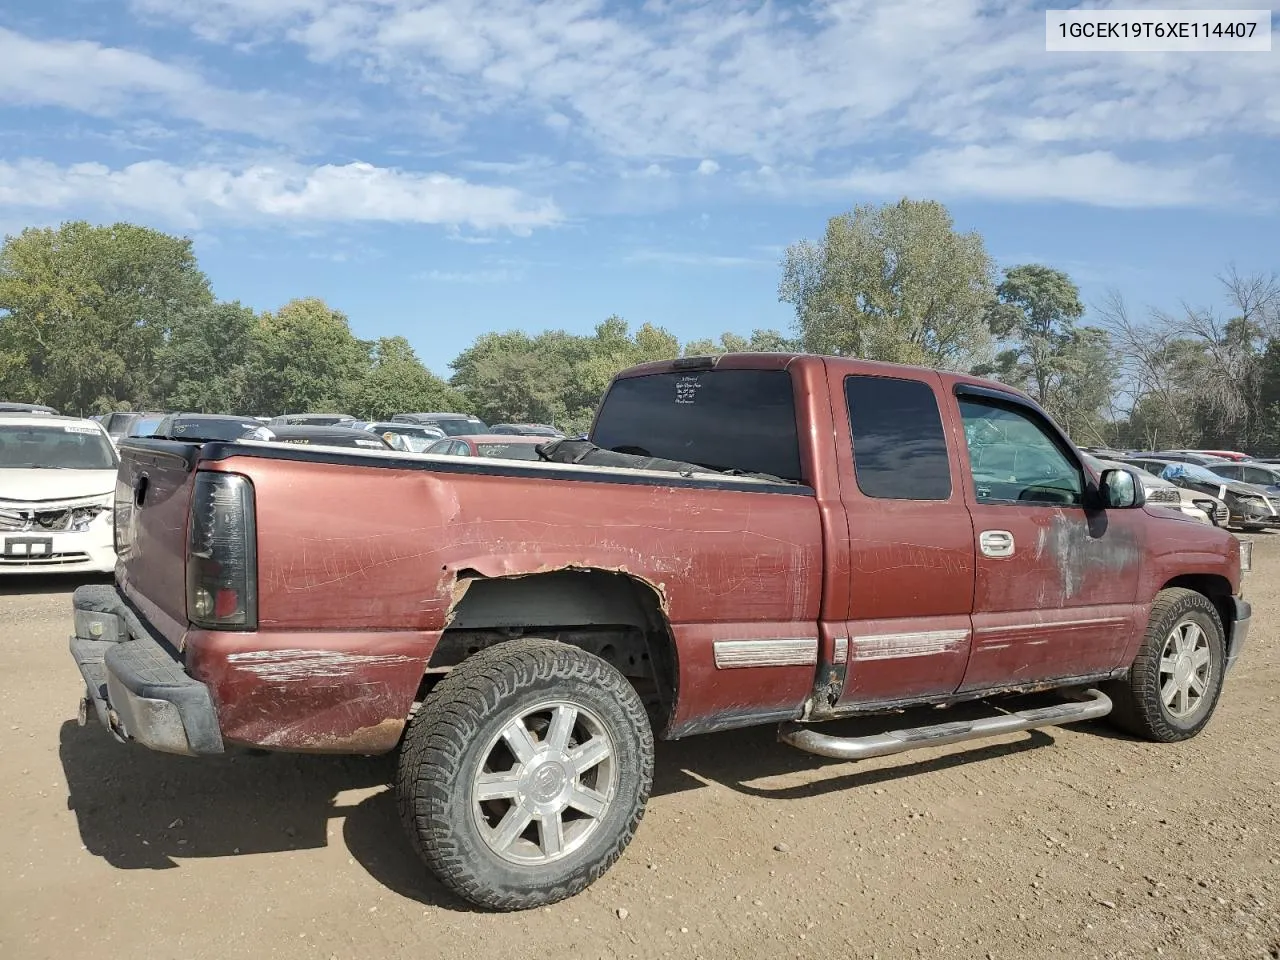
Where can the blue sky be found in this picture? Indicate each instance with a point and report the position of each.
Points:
(440, 169)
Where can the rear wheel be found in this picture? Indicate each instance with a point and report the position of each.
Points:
(1174, 683)
(525, 773)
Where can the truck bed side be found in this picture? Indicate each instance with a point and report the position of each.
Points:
(360, 570)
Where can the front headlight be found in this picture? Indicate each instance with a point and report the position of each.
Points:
(83, 517)
(1246, 556)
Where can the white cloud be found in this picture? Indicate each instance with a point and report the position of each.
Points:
(286, 192)
(769, 81)
(708, 168)
(695, 259)
(109, 81)
(1011, 173)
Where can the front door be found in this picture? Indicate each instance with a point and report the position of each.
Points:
(1056, 582)
(906, 632)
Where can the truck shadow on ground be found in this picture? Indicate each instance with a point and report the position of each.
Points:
(140, 810)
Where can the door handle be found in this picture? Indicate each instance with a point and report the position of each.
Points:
(996, 543)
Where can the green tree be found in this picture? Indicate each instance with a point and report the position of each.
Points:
(204, 364)
(305, 358)
(397, 382)
(84, 309)
(1069, 370)
(761, 341)
(896, 283)
(553, 377)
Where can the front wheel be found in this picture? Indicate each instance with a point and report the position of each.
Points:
(525, 773)
(1174, 683)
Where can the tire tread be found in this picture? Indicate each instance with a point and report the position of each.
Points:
(447, 723)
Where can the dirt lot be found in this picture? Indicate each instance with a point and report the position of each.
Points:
(1072, 842)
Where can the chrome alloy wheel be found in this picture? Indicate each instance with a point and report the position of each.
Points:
(1185, 665)
(545, 783)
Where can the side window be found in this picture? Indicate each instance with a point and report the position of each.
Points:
(1263, 478)
(1014, 460)
(1230, 471)
(899, 449)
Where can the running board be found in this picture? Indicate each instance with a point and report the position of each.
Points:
(804, 737)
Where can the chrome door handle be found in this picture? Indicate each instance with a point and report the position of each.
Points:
(996, 543)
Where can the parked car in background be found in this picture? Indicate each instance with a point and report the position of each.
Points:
(57, 476)
(1265, 475)
(409, 437)
(450, 424)
(1222, 454)
(119, 424)
(1182, 456)
(311, 419)
(1249, 506)
(526, 430)
(489, 445)
(209, 426)
(1191, 503)
(8, 406)
(335, 436)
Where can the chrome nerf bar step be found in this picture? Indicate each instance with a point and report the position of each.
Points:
(805, 737)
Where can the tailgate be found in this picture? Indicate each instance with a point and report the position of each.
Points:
(152, 500)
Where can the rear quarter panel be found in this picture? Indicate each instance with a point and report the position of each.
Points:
(359, 568)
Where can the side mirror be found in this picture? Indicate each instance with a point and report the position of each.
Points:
(1121, 489)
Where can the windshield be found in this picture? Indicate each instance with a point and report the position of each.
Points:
(730, 420)
(509, 451)
(70, 446)
(460, 428)
(144, 426)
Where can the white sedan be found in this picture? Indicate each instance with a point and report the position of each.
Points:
(57, 479)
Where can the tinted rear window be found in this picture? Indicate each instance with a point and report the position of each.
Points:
(211, 429)
(899, 450)
(509, 451)
(723, 419)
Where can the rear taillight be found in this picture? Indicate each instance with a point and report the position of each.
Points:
(222, 570)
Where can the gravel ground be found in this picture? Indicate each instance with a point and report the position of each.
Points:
(1073, 842)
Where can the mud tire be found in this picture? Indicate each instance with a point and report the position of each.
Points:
(444, 748)
(1139, 706)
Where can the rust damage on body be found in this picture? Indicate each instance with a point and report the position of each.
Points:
(456, 583)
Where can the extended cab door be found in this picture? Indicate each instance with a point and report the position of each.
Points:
(1057, 577)
(911, 542)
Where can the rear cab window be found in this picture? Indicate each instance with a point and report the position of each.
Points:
(899, 448)
(737, 421)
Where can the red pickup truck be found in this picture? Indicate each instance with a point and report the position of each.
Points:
(749, 539)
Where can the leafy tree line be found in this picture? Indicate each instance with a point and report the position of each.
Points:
(94, 319)
(99, 318)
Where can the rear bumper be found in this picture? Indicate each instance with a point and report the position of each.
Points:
(135, 683)
(1239, 616)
